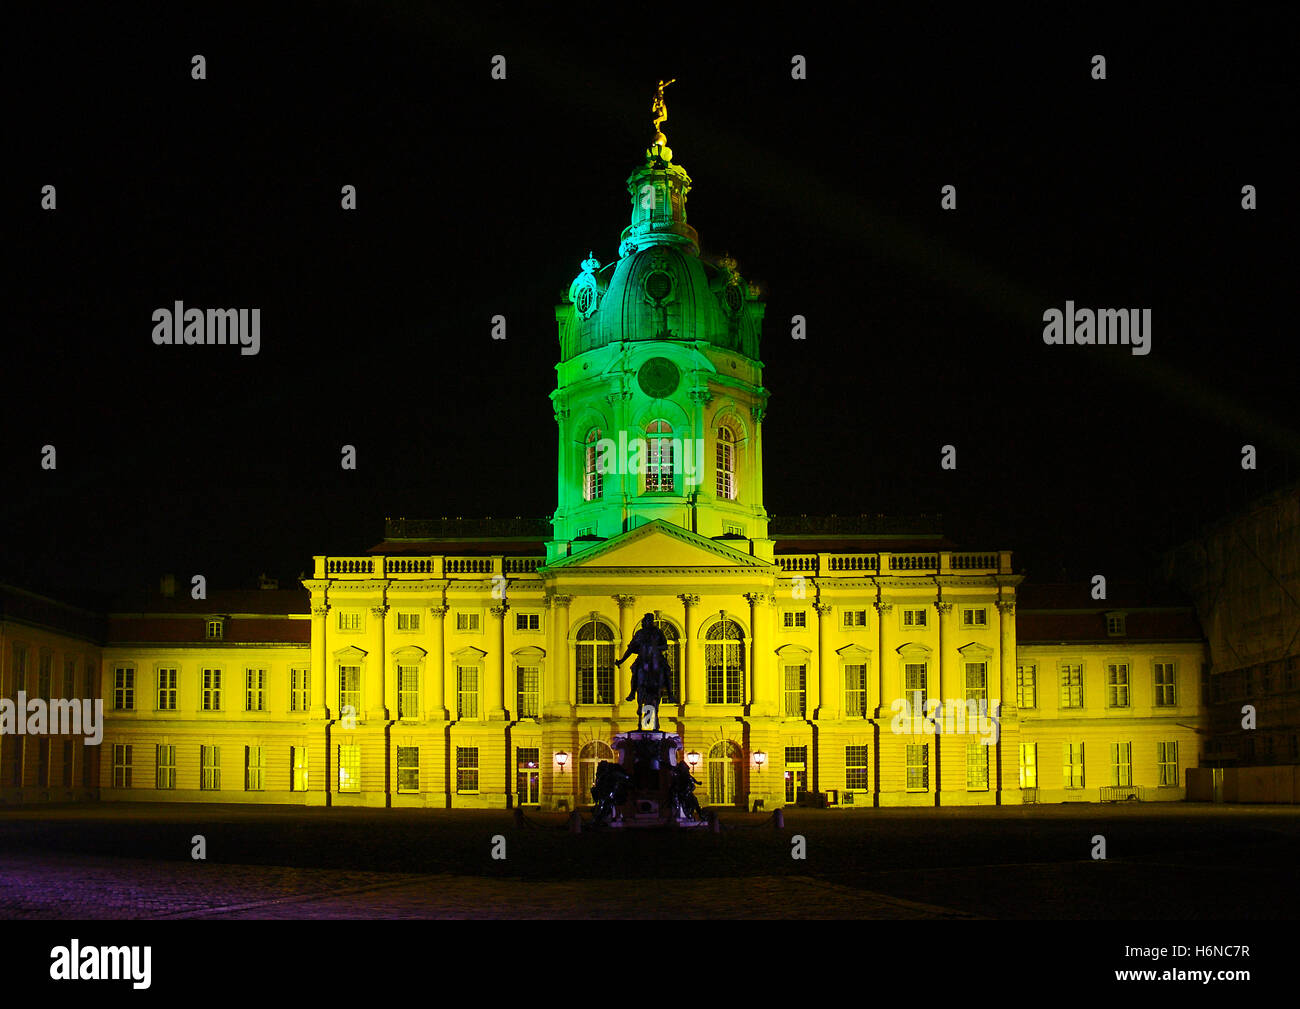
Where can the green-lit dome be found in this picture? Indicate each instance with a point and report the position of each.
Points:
(659, 288)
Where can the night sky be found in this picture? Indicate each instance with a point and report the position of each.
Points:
(479, 197)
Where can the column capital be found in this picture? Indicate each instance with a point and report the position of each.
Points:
(689, 600)
(379, 611)
(1006, 606)
(559, 599)
(822, 608)
(884, 609)
(438, 612)
(320, 610)
(624, 602)
(758, 598)
(943, 607)
(499, 610)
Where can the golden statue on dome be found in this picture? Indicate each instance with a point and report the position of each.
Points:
(660, 111)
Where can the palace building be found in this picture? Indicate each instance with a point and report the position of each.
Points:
(462, 664)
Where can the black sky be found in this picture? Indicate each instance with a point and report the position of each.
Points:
(480, 197)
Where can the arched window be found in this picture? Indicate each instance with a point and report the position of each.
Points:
(595, 663)
(589, 758)
(659, 456)
(726, 463)
(724, 773)
(593, 484)
(724, 663)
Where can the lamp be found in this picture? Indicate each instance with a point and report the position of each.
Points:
(693, 758)
(561, 758)
(760, 758)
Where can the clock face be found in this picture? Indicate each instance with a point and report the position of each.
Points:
(658, 378)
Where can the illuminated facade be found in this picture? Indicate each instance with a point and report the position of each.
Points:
(475, 667)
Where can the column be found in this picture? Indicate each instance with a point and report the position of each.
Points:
(946, 750)
(494, 688)
(560, 701)
(828, 667)
(692, 670)
(319, 659)
(886, 673)
(1006, 656)
(763, 689)
(943, 685)
(436, 666)
(377, 669)
(623, 674)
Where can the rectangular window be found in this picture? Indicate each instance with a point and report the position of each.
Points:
(914, 687)
(1028, 765)
(408, 691)
(20, 670)
(1121, 763)
(796, 682)
(211, 691)
(977, 767)
(210, 768)
(974, 617)
(977, 685)
(349, 620)
(467, 621)
(1071, 684)
(1167, 759)
(854, 618)
(69, 678)
(528, 621)
(408, 621)
(216, 630)
(43, 761)
(123, 689)
(530, 691)
(349, 691)
(918, 768)
(298, 763)
(855, 691)
(45, 676)
(349, 767)
(794, 618)
(467, 692)
(1115, 625)
(121, 765)
(166, 766)
(408, 768)
(1165, 695)
(69, 751)
(1026, 686)
(467, 769)
(255, 690)
(167, 679)
(254, 768)
(916, 618)
(1073, 768)
(1117, 684)
(855, 767)
(299, 689)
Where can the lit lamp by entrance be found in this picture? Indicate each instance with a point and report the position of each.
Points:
(760, 758)
(693, 760)
(561, 758)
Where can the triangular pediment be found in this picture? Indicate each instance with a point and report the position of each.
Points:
(658, 544)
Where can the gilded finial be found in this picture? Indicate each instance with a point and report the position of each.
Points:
(660, 111)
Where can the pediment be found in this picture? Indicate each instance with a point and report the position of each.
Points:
(658, 544)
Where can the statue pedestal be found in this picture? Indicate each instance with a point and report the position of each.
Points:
(649, 758)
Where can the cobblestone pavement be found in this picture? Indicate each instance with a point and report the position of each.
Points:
(100, 887)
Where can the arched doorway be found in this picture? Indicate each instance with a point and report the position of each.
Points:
(724, 773)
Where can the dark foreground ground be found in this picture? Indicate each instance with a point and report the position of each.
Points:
(1181, 861)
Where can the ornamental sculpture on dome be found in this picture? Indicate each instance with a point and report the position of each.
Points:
(660, 112)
